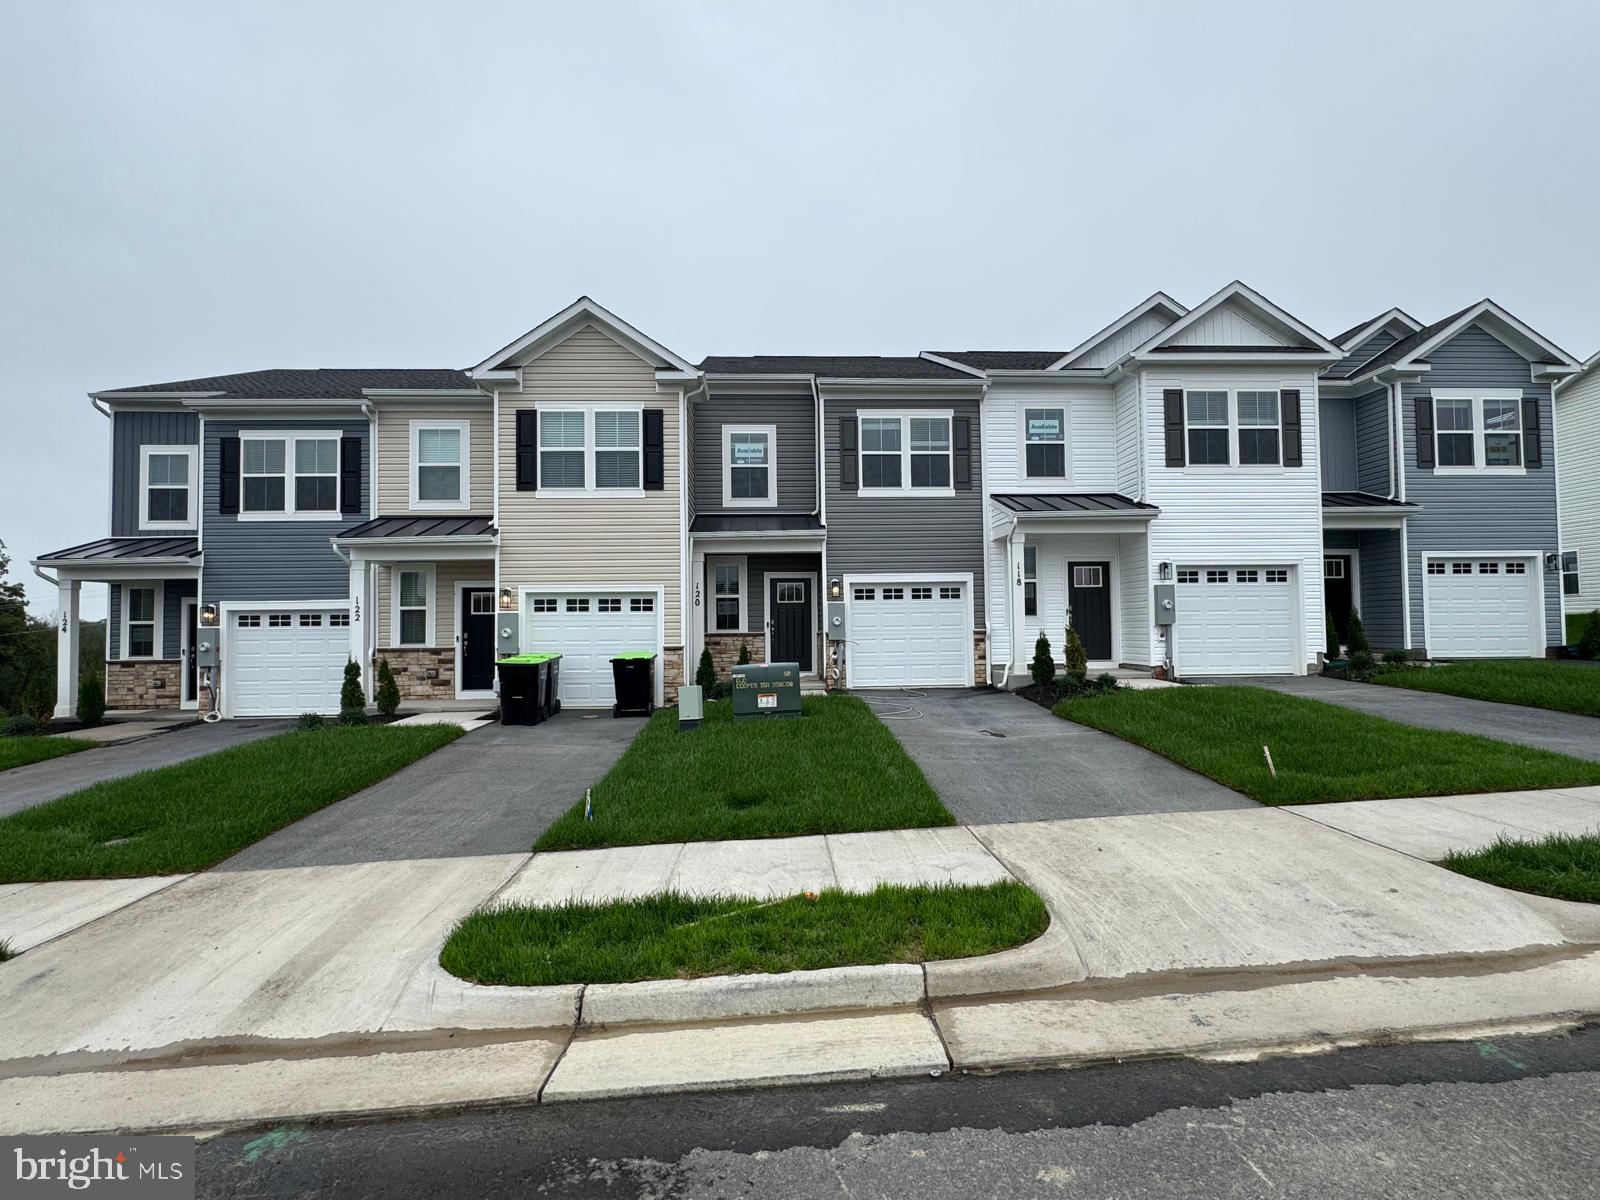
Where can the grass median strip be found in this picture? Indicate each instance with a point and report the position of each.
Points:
(1562, 686)
(192, 815)
(835, 769)
(1321, 752)
(675, 937)
(1562, 866)
(20, 751)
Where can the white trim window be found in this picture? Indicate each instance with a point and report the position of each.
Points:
(167, 486)
(907, 453)
(1044, 442)
(1477, 431)
(728, 594)
(1030, 580)
(141, 621)
(1570, 579)
(413, 621)
(749, 455)
(1260, 428)
(1205, 416)
(289, 475)
(440, 470)
(591, 450)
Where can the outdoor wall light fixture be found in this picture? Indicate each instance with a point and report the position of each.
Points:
(208, 614)
(1552, 562)
(508, 600)
(1165, 569)
(835, 588)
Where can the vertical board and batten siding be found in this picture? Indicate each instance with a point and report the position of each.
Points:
(1481, 511)
(248, 560)
(883, 534)
(1336, 419)
(173, 593)
(130, 431)
(1132, 335)
(795, 417)
(1238, 515)
(446, 610)
(1228, 325)
(583, 540)
(394, 419)
(1373, 449)
(1578, 444)
(1091, 436)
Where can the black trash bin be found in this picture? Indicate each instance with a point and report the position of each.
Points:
(633, 672)
(524, 688)
(551, 695)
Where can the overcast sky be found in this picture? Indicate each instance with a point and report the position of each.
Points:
(195, 188)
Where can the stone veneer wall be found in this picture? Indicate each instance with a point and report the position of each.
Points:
(671, 673)
(411, 666)
(145, 684)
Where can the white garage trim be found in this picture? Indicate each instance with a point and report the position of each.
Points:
(231, 608)
(525, 612)
(1535, 576)
(878, 579)
(1296, 616)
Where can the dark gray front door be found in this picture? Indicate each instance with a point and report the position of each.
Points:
(1337, 593)
(1089, 595)
(477, 639)
(790, 620)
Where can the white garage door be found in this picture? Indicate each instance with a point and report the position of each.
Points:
(1235, 621)
(909, 634)
(1482, 608)
(587, 629)
(283, 662)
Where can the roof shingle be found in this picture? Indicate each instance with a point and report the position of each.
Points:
(831, 366)
(323, 383)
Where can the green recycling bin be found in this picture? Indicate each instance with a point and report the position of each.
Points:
(526, 685)
(633, 674)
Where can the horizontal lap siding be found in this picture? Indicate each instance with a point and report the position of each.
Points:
(276, 560)
(129, 431)
(1338, 423)
(1382, 609)
(581, 541)
(173, 592)
(446, 611)
(796, 420)
(1372, 443)
(1481, 512)
(1091, 437)
(1364, 352)
(394, 451)
(1578, 445)
(912, 534)
(761, 567)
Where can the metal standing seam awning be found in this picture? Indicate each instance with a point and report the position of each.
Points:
(419, 538)
(126, 557)
(1364, 510)
(1101, 512)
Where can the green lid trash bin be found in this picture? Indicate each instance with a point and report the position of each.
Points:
(633, 674)
(528, 687)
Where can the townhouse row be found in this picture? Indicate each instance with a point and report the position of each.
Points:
(1202, 490)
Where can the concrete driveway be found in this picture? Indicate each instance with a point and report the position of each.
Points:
(1565, 733)
(994, 757)
(491, 792)
(37, 783)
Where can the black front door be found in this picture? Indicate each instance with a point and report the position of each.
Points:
(1089, 596)
(1337, 594)
(789, 618)
(477, 639)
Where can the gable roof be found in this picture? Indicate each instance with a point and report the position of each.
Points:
(1588, 365)
(322, 383)
(1002, 360)
(1158, 304)
(831, 366)
(1242, 296)
(556, 329)
(1414, 349)
(1356, 334)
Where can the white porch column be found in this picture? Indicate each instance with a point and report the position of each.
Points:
(67, 649)
(360, 572)
(697, 615)
(1018, 607)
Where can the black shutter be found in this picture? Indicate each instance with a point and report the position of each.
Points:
(1424, 432)
(1292, 449)
(848, 466)
(228, 476)
(963, 452)
(1532, 441)
(1172, 403)
(655, 458)
(350, 475)
(527, 450)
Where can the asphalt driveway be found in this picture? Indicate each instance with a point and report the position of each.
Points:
(492, 791)
(38, 783)
(994, 757)
(1565, 733)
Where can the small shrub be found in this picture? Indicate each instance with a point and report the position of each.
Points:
(1358, 637)
(1333, 639)
(1077, 664)
(352, 716)
(350, 694)
(721, 689)
(19, 725)
(1043, 667)
(311, 721)
(388, 698)
(1362, 662)
(1106, 683)
(39, 697)
(744, 654)
(1397, 658)
(91, 700)
(1589, 637)
(706, 674)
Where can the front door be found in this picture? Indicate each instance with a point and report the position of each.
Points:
(1338, 596)
(1089, 597)
(790, 621)
(477, 640)
(191, 632)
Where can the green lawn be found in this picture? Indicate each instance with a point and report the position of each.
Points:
(1567, 868)
(1563, 686)
(194, 814)
(836, 769)
(1321, 752)
(674, 937)
(20, 751)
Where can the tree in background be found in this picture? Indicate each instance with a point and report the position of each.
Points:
(27, 644)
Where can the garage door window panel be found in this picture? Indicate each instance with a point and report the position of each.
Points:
(1206, 414)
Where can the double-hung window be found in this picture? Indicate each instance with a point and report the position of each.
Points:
(562, 449)
(139, 622)
(1260, 440)
(1453, 426)
(1502, 431)
(439, 465)
(413, 590)
(167, 487)
(728, 616)
(618, 448)
(289, 475)
(1206, 416)
(595, 450)
(1570, 582)
(1044, 443)
(1478, 431)
(748, 453)
(906, 453)
(1030, 580)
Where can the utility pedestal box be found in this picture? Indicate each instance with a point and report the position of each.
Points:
(766, 690)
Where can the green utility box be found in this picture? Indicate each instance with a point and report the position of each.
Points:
(766, 690)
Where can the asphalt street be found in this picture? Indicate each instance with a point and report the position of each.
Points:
(1508, 1117)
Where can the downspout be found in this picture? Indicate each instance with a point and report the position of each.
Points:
(830, 672)
(983, 527)
(1397, 489)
